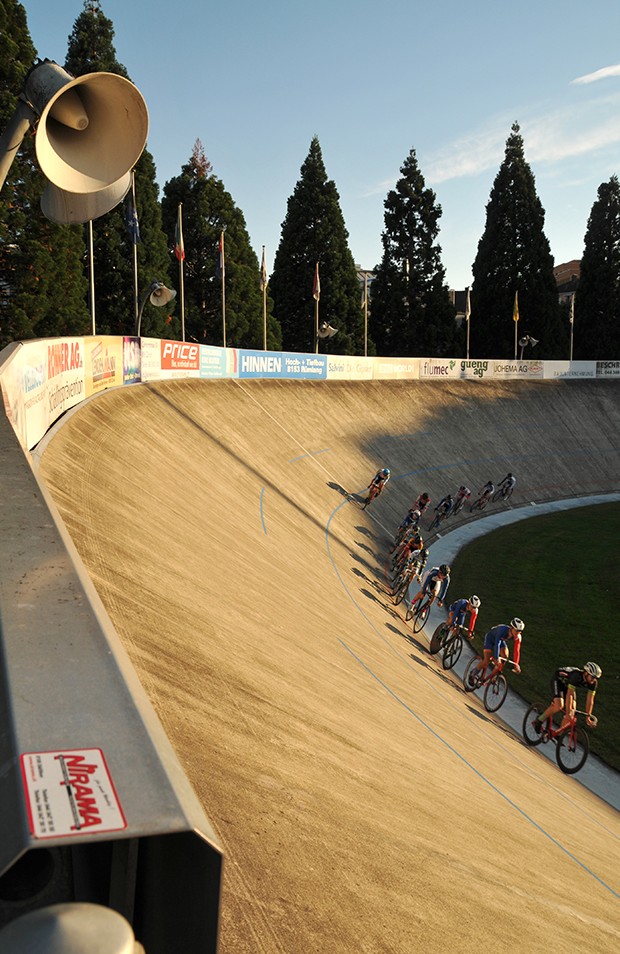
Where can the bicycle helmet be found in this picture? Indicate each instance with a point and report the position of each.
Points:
(475, 601)
(444, 569)
(593, 670)
(517, 624)
(424, 553)
(386, 471)
(509, 475)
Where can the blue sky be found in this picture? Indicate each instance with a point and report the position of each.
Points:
(255, 81)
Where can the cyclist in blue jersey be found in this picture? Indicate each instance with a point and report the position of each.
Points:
(496, 646)
(458, 610)
(435, 585)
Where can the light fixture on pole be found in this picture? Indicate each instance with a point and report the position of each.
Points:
(158, 295)
(524, 342)
(326, 330)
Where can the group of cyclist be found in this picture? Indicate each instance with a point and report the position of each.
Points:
(410, 558)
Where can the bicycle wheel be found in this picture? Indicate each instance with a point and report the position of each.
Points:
(435, 522)
(572, 750)
(496, 496)
(421, 616)
(400, 592)
(452, 651)
(530, 735)
(495, 693)
(458, 507)
(476, 677)
(508, 493)
(438, 639)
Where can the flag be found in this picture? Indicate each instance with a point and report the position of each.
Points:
(179, 247)
(316, 288)
(571, 317)
(219, 261)
(263, 273)
(131, 219)
(467, 307)
(515, 310)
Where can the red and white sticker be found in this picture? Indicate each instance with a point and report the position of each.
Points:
(70, 793)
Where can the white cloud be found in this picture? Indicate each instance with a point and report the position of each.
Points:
(550, 137)
(597, 75)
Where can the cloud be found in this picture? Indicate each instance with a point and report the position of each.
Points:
(550, 137)
(596, 76)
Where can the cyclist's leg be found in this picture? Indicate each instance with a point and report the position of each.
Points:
(569, 708)
(557, 694)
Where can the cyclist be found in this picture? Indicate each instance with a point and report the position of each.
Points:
(435, 585)
(458, 610)
(411, 520)
(462, 494)
(488, 490)
(563, 685)
(496, 646)
(407, 548)
(445, 505)
(420, 561)
(422, 503)
(379, 481)
(507, 483)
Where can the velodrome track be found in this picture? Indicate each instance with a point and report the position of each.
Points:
(364, 803)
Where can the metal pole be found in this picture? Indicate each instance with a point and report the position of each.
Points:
(181, 285)
(223, 291)
(264, 284)
(468, 337)
(91, 273)
(365, 314)
(135, 252)
(572, 323)
(12, 137)
(316, 325)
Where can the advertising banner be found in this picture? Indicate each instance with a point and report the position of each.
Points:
(274, 364)
(608, 369)
(180, 359)
(439, 368)
(132, 361)
(570, 369)
(212, 362)
(65, 375)
(518, 369)
(103, 363)
(349, 368)
(392, 368)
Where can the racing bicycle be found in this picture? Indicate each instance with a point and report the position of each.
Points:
(493, 681)
(373, 492)
(449, 641)
(480, 503)
(572, 745)
(418, 612)
(439, 516)
(503, 493)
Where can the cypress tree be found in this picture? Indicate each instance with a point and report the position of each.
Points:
(209, 210)
(597, 301)
(42, 289)
(411, 309)
(91, 50)
(314, 231)
(514, 257)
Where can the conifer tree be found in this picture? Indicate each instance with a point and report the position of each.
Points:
(411, 309)
(91, 50)
(42, 289)
(597, 301)
(514, 257)
(209, 210)
(314, 231)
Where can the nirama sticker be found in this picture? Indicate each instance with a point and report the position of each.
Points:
(70, 792)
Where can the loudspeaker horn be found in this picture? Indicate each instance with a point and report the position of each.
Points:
(92, 129)
(67, 208)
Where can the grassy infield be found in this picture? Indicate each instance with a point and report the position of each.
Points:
(559, 573)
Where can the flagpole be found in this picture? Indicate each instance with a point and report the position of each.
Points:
(223, 288)
(263, 281)
(467, 317)
(365, 314)
(135, 252)
(91, 274)
(572, 322)
(181, 275)
(316, 294)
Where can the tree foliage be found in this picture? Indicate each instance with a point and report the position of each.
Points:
(411, 309)
(314, 231)
(597, 301)
(209, 210)
(91, 50)
(42, 289)
(514, 256)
